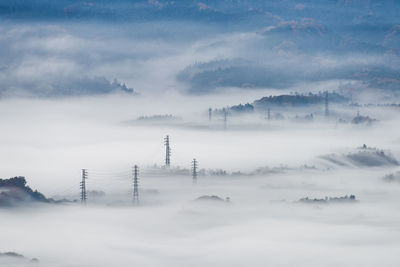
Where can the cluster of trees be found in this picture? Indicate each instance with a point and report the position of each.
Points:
(393, 177)
(296, 99)
(291, 100)
(158, 118)
(362, 119)
(14, 190)
(351, 198)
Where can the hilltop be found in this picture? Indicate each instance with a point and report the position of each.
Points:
(293, 100)
(15, 191)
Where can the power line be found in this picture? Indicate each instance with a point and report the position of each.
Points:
(63, 191)
(109, 173)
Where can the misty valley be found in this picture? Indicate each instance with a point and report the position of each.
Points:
(206, 178)
(199, 133)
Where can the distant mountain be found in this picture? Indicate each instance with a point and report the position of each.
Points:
(224, 11)
(245, 44)
(87, 86)
(204, 78)
(392, 40)
(207, 77)
(305, 34)
(66, 86)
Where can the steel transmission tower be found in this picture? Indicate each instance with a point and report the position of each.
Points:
(326, 104)
(225, 118)
(135, 173)
(83, 186)
(194, 170)
(267, 113)
(167, 152)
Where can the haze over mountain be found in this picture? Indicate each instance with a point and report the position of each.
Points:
(68, 48)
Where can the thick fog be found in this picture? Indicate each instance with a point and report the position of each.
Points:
(289, 108)
(50, 141)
